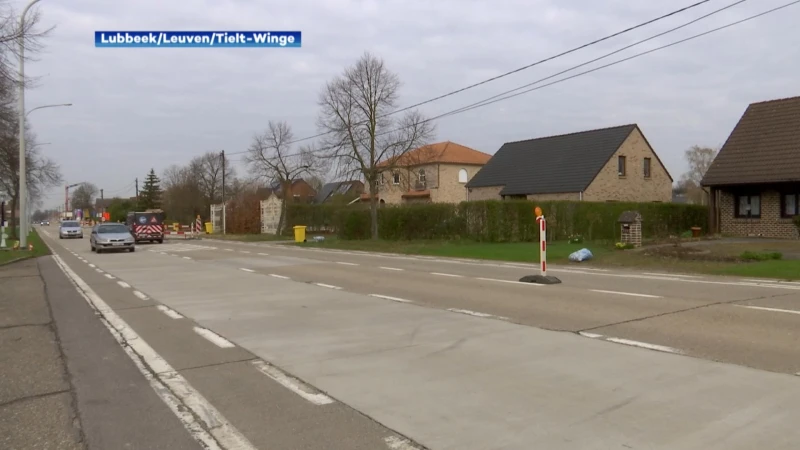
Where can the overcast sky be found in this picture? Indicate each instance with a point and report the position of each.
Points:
(151, 107)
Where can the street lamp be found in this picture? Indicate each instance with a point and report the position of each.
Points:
(47, 106)
(23, 178)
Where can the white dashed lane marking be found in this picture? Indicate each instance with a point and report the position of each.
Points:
(293, 384)
(394, 299)
(214, 338)
(170, 313)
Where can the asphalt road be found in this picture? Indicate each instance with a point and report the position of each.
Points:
(456, 354)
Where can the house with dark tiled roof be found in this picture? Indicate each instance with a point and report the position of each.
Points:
(346, 189)
(754, 182)
(432, 173)
(603, 165)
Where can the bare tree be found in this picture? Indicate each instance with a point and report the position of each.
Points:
(10, 33)
(207, 169)
(42, 172)
(699, 160)
(83, 197)
(271, 159)
(362, 135)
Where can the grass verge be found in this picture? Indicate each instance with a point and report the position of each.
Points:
(263, 237)
(749, 260)
(39, 249)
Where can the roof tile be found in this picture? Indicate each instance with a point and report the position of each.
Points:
(442, 153)
(553, 164)
(764, 147)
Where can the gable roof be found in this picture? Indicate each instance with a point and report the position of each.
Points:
(337, 187)
(441, 153)
(764, 147)
(553, 164)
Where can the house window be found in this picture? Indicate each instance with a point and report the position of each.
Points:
(462, 176)
(421, 176)
(647, 167)
(396, 178)
(621, 166)
(748, 206)
(790, 204)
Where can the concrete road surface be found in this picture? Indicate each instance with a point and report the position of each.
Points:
(327, 349)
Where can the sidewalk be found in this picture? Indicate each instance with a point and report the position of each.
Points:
(37, 407)
(65, 382)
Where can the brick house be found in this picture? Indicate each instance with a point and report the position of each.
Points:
(340, 189)
(603, 165)
(754, 182)
(433, 173)
(299, 191)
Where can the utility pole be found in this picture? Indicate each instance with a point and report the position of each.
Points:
(102, 206)
(223, 193)
(137, 189)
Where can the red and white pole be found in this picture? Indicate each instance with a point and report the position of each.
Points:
(542, 244)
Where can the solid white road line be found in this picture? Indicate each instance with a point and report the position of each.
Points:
(590, 335)
(660, 348)
(390, 268)
(141, 295)
(789, 311)
(329, 286)
(293, 384)
(278, 276)
(477, 314)
(246, 270)
(110, 277)
(346, 263)
(184, 401)
(397, 443)
(446, 275)
(169, 312)
(214, 338)
(124, 284)
(632, 294)
(509, 281)
(658, 274)
(394, 299)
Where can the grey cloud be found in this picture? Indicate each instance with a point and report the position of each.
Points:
(141, 108)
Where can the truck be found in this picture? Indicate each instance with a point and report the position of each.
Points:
(147, 225)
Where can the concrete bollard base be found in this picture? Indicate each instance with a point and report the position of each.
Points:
(540, 279)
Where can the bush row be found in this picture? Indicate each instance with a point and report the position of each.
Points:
(497, 221)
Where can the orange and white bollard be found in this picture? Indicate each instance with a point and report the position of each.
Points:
(542, 244)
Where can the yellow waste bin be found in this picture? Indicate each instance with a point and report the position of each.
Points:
(300, 233)
(209, 228)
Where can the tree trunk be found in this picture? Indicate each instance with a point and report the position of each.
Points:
(282, 219)
(373, 209)
(12, 219)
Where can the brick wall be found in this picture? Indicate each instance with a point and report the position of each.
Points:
(567, 196)
(441, 179)
(484, 193)
(770, 224)
(633, 186)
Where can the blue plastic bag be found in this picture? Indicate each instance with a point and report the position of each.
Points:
(581, 255)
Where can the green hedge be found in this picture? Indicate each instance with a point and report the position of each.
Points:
(498, 221)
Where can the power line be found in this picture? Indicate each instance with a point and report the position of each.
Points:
(495, 99)
(717, 11)
(520, 69)
(486, 102)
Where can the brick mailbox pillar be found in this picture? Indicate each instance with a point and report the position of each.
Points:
(631, 228)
